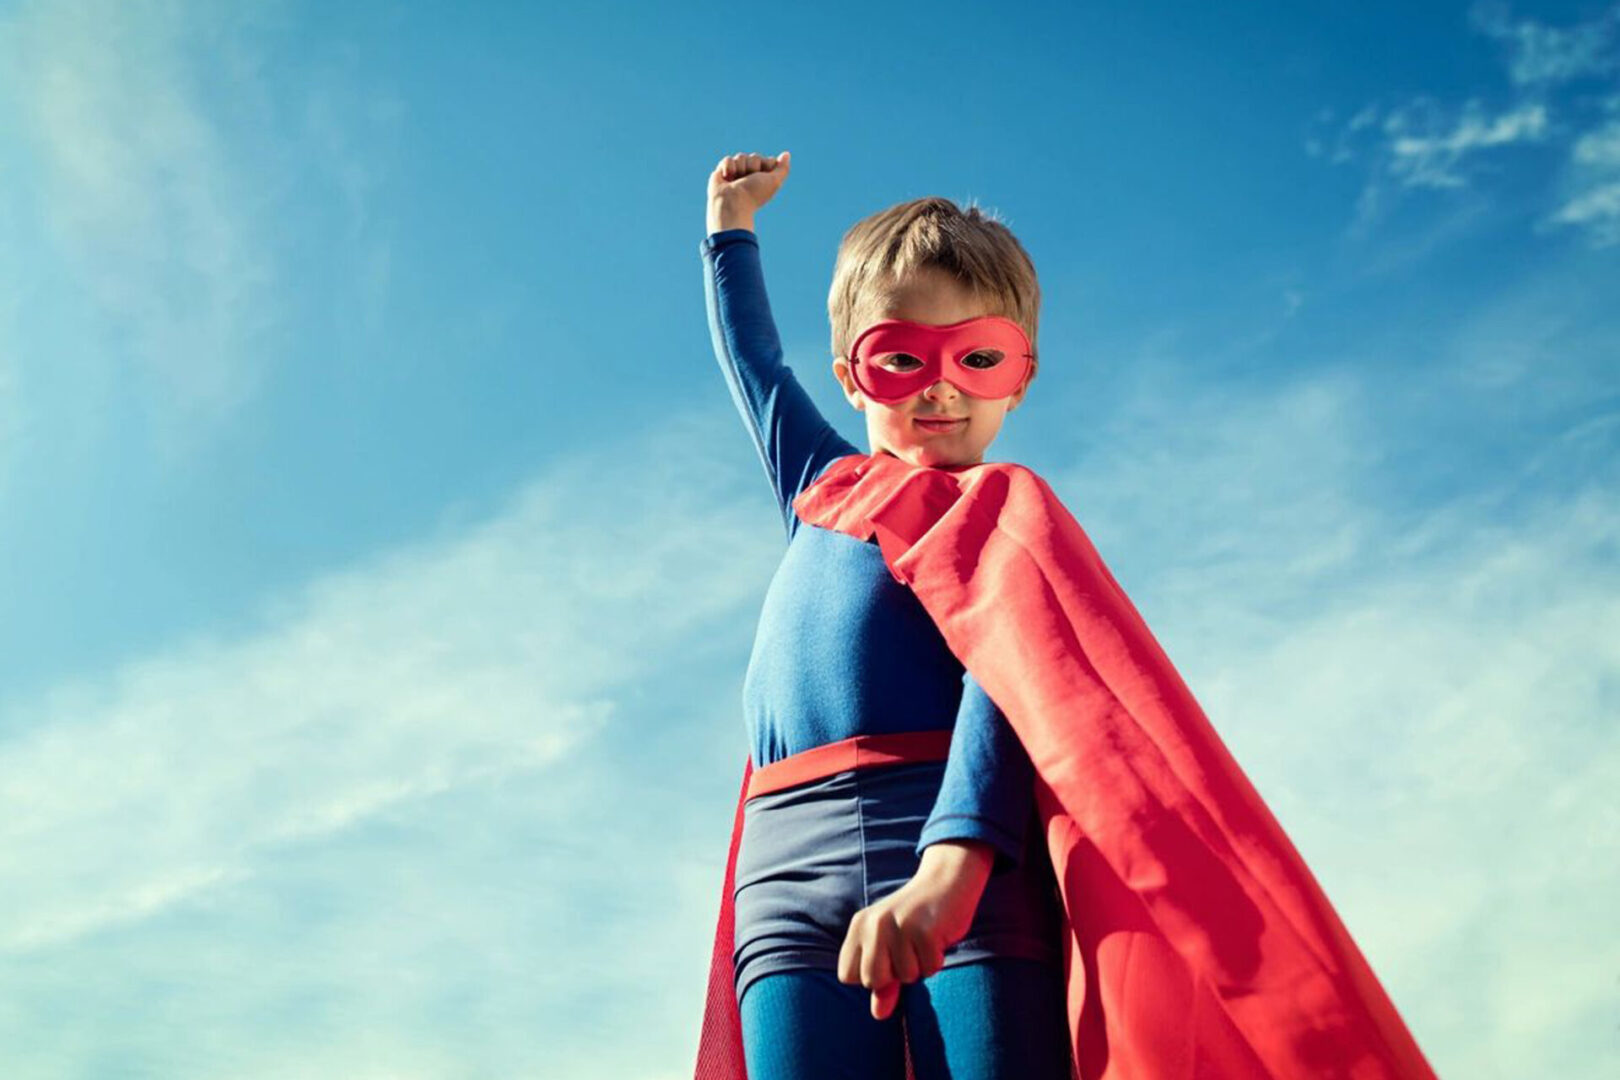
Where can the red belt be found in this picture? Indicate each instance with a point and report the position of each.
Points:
(856, 752)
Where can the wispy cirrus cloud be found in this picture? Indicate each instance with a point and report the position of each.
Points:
(1541, 55)
(1591, 183)
(164, 169)
(1426, 154)
(514, 692)
(1429, 143)
(129, 106)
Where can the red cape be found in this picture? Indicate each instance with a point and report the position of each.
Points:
(1197, 943)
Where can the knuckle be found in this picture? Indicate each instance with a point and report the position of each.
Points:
(849, 966)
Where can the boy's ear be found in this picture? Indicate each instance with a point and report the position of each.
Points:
(852, 392)
(1018, 395)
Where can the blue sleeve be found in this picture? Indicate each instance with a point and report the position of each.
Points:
(988, 792)
(795, 442)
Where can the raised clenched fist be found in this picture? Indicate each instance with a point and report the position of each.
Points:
(747, 182)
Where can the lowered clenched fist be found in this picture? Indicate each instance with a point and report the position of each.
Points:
(903, 937)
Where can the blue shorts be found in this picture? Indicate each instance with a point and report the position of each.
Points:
(814, 854)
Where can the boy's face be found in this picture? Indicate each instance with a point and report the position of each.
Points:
(933, 297)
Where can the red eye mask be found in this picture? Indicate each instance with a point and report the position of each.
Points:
(894, 359)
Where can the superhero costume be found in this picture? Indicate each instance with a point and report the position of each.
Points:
(1198, 942)
(842, 650)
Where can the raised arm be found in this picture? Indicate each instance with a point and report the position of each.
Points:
(795, 442)
(793, 439)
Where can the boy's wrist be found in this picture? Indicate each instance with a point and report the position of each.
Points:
(727, 214)
(955, 859)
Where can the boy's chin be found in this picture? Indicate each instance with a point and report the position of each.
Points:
(930, 456)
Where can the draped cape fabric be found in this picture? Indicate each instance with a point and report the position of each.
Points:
(1198, 945)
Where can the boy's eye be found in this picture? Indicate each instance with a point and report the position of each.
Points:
(899, 361)
(985, 358)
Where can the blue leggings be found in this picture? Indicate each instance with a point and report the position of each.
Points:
(996, 1019)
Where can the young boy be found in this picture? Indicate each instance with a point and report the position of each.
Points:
(1154, 921)
(843, 652)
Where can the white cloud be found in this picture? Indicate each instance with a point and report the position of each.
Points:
(449, 662)
(1428, 144)
(1599, 148)
(1598, 210)
(167, 167)
(1593, 180)
(1550, 54)
(125, 104)
(1429, 158)
(503, 756)
(514, 685)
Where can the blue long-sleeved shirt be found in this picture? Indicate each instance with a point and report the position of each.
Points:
(843, 649)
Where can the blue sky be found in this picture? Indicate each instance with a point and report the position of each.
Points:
(380, 548)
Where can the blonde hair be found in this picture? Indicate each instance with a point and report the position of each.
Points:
(880, 251)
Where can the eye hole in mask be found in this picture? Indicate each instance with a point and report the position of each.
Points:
(983, 360)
